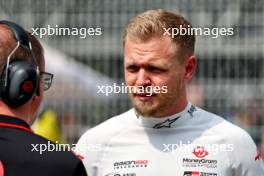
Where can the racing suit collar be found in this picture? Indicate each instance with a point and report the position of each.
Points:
(14, 123)
(165, 122)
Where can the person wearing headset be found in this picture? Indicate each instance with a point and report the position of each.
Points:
(22, 82)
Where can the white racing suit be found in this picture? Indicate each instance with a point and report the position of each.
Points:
(190, 143)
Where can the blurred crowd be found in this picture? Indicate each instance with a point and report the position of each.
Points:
(247, 115)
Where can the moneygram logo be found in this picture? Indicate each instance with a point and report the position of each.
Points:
(199, 161)
(200, 152)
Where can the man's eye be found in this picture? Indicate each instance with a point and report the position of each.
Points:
(132, 68)
(155, 69)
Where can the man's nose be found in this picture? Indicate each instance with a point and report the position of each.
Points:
(142, 78)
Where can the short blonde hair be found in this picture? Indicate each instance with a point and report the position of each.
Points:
(152, 23)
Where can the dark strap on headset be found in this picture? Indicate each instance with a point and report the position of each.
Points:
(19, 32)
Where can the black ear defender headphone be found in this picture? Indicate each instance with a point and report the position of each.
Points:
(20, 77)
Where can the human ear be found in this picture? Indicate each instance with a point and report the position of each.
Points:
(190, 67)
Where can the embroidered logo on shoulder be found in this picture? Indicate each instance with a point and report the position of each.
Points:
(191, 110)
(166, 124)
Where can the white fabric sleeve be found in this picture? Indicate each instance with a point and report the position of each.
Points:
(89, 149)
(246, 161)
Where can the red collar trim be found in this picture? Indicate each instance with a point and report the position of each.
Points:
(15, 126)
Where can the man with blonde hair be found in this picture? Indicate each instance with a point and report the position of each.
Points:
(164, 134)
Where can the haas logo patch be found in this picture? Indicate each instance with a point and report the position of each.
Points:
(200, 152)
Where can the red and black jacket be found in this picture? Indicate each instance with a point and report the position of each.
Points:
(18, 158)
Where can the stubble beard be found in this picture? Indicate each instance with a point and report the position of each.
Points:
(160, 103)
